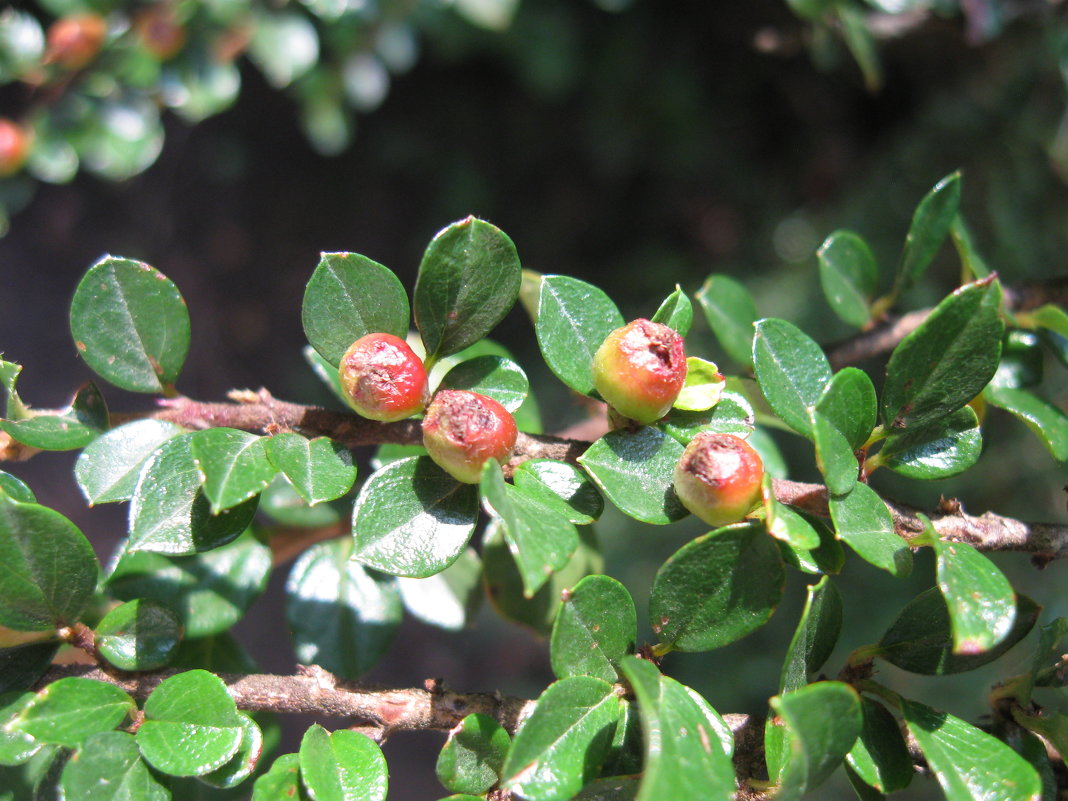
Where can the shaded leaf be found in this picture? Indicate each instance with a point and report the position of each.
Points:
(138, 635)
(834, 456)
(815, 636)
(22, 665)
(82, 421)
(880, 758)
(785, 523)
(849, 404)
(730, 312)
(282, 780)
(596, 627)
(792, 371)
(473, 756)
(864, 523)
(827, 557)
(109, 768)
(930, 224)
(945, 448)
(448, 599)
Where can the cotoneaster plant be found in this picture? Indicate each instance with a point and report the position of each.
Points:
(163, 703)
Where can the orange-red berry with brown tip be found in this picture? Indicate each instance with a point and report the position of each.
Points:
(718, 478)
(14, 146)
(383, 378)
(75, 40)
(463, 430)
(640, 370)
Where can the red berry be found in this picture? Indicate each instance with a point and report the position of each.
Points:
(640, 370)
(159, 31)
(464, 430)
(74, 41)
(14, 146)
(383, 378)
(718, 478)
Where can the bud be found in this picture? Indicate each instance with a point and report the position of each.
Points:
(14, 146)
(464, 430)
(718, 478)
(383, 378)
(640, 370)
(74, 41)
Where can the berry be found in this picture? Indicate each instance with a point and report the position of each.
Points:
(718, 478)
(14, 146)
(74, 41)
(159, 31)
(464, 430)
(640, 370)
(383, 378)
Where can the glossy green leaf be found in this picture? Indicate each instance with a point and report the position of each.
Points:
(1021, 362)
(170, 513)
(347, 297)
(448, 599)
(849, 276)
(16, 746)
(209, 592)
(282, 504)
(834, 456)
(413, 519)
(1048, 668)
(880, 758)
(107, 469)
(74, 427)
(281, 781)
(930, 225)
(822, 722)
(326, 372)
(730, 312)
(792, 371)
(242, 763)
(130, 324)
(717, 588)
(561, 746)
(863, 522)
(138, 635)
(16, 488)
(947, 360)
(634, 469)
(233, 465)
(827, 557)
(71, 709)
(675, 312)
(191, 725)
(341, 617)
(815, 636)
(493, 376)
(22, 665)
(687, 745)
(219, 653)
(849, 404)
(920, 640)
(615, 788)
(109, 768)
(1052, 317)
(540, 538)
(1053, 726)
(50, 570)
(967, 762)
(980, 600)
(625, 752)
(1047, 422)
(733, 414)
(319, 469)
(14, 408)
(468, 280)
(472, 758)
(342, 766)
(945, 448)
(562, 486)
(970, 258)
(703, 387)
(784, 523)
(596, 627)
(573, 320)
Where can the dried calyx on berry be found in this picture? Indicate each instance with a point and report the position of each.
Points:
(383, 378)
(718, 478)
(640, 370)
(464, 430)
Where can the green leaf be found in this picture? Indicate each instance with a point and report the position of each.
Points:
(827, 557)
(191, 725)
(880, 758)
(170, 513)
(595, 629)
(834, 456)
(730, 312)
(319, 469)
(687, 745)
(634, 469)
(560, 485)
(945, 448)
(968, 763)
(1052, 317)
(242, 763)
(615, 788)
(233, 464)
(22, 665)
(970, 258)
(342, 766)
(849, 404)
(468, 280)
(109, 768)
(1021, 362)
(675, 312)
(473, 756)
(920, 640)
(281, 503)
(131, 325)
(787, 524)
(342, 617)
(863, 522)
(16, 746)
(703, 387)
(815, 636)
(1045, 420)
(209, 592)
(138, 635)
(561, 746)
(947, 360)
(717, 588)
(71, 709)
(980, 600)
(930, 224)
(413, 519)
(16, 488)
(540, 538)
(792, 371)
(493, 376)
(347, 297)
(67, 429)
(107, 469)
(849, 276)
(733, 414)
(1047, 668)
(326, 372)
(282, 780)
(50, 570)
(822, 722)
(14, 408)
(448, 599)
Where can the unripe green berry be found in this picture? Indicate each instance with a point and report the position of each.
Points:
(463, 430)
(718, 478)
(383, 378)
(640, 370)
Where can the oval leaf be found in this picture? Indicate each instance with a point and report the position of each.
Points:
(732, 414)
(849, 404)
(562, 486)
(703, 387)
(495, 377)
(730, 312)
(69, 710)
(596, 627)
(848, 274)
(930, 223)
(980, 600)
(138, 635)
(947, 447)
(815, 636)
(863, 522)
(473, 756)
(233, 464)
(319, 469)
(880, 758)
(342, 766)
(675, 312)
(448, 599)
(792, 371)
(109, 768)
